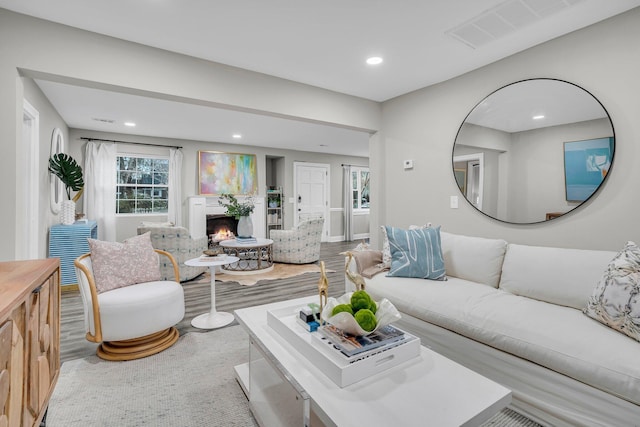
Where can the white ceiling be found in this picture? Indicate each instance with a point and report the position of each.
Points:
(513, 108)
(321, 43)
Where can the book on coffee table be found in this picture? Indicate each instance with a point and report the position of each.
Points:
(246, 240)
(351, 345)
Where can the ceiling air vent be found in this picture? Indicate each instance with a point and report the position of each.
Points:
(97, 119)
(505, 19)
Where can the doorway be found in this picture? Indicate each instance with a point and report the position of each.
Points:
(469, 173)
(311, 193)
(27, 220)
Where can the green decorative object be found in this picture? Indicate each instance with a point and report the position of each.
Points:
(235, 208)
(361, 300)
(373, 307)
(68, 171)
(366, 319)
(340, 308)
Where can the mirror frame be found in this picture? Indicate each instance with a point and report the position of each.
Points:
(584, 202)
(56, 188)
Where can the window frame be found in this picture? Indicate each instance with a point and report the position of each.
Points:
(358, 187)
(153, 187)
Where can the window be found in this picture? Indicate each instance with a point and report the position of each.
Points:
(360, 187)
(142, 185)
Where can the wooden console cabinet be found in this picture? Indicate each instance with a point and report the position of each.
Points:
(29, 339)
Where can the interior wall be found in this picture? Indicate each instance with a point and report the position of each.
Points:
(533, 164)
(422, 126)
(36, 48)
(536, 183)
(127, 224)
(49, 120)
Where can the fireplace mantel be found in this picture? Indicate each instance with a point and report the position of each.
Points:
(200, 206)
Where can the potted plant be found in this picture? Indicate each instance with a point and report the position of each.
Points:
(240, 211)
(70, 173)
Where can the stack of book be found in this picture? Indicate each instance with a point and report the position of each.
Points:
(351, 346)
(246, 240)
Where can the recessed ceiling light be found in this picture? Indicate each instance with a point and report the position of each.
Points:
(130, 124)
(374, 60)
(236, 136)
(538, 117)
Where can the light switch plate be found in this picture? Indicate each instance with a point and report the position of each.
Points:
(454, 202)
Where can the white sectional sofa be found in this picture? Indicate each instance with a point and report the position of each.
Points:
(513, 313)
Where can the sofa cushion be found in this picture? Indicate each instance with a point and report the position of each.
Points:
(616, 299)
(473, 258)
(116, 265)
(559, 338)
(416, 253)
(556, 275)
(139, 310)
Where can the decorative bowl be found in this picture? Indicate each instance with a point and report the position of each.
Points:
(386, 313)
(213, 252)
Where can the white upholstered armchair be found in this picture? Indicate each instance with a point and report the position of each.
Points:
(300, 245)
(133, 321)
(179, 243)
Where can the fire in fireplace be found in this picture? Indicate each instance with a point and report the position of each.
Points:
(221, 227)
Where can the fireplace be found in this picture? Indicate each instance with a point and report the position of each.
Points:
(221, 227)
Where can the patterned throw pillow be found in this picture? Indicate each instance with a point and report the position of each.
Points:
(616, 299)
(416, 253)
(116, 265)
(386, 251)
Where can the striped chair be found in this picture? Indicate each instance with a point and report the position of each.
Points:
(300, 245)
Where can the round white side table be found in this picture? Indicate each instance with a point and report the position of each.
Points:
(214, 319)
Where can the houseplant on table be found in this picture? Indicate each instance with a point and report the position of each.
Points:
(240, 211)
(70, 173)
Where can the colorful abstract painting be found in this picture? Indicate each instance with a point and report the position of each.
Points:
(227, 173)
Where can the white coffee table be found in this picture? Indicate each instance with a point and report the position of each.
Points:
(213, 319)
(285, 388)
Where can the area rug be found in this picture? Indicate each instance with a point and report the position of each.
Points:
(190, 384)
(280, 271)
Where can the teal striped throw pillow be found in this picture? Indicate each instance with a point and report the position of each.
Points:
(416, 253)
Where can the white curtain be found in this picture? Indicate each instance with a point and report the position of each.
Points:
(347, 195)
(175, 186)
(100, 187)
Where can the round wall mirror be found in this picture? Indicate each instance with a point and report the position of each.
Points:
(533, 151)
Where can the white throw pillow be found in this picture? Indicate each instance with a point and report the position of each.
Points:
(615, 301)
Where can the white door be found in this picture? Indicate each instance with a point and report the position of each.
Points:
(311, 193)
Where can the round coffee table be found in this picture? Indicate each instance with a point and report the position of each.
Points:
(253, 258)
(213, 319)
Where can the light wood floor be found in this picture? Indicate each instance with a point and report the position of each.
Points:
(229, 296)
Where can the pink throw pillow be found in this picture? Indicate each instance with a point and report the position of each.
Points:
(116, 265)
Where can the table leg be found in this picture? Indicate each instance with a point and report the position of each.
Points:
(213, 319)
